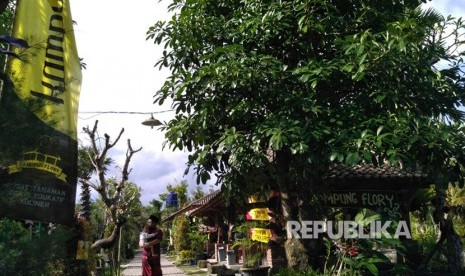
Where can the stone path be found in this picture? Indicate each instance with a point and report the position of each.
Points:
(134, 267)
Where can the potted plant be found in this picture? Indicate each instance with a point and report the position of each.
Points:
(186, 257)
(197, 242)
(252, 251)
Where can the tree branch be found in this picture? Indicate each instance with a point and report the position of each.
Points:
(125, 173)
(87, 183)
(114, 206)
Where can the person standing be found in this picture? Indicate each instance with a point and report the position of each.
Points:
(151, 249)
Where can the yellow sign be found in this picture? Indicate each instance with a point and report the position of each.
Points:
(261, 234)
(258, 214)
(48, 73)
(262, 196)
(83, 250)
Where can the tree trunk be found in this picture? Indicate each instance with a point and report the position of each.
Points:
(108, 242)
(296, 253)
(453, 244)
(310, 212)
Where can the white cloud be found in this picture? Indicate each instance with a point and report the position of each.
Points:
(120, 76)
(448, 7)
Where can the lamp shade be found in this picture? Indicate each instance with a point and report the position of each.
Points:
(151, 122)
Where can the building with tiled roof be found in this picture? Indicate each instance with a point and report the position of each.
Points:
(209, 204)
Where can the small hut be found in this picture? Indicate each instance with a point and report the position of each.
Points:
(212, 209)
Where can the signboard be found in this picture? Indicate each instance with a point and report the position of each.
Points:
(262, 197)
(258, 214)
(83, 250)
(261, 214)
(41, 144)
(261, 234)
(381, 201)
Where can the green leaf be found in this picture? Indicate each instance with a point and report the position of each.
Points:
(366, 155)
(340, 157)
(372, 268)
(364, 133)
(350, 262)
(333, 157)
(305, 77)
(352, 158)
(314, 84)
(401, 46)
(359, 143)
(360, 50)
(380, 98)
(362, 58)
(348, 67)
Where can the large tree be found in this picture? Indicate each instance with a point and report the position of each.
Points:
(282, 89)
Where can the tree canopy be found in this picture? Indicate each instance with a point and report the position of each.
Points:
(319, 81)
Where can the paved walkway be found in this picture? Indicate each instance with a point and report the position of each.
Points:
(134, 267)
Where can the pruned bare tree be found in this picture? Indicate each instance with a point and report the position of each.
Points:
(111, 192)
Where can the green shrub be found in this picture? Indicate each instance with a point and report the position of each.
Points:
(30, 252)
(197, 240)
(185, 255)
(253, 250)
(291, 272)
(311, 272)
(180, 228)
(427, 236)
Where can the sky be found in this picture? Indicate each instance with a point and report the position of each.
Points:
(121, 77)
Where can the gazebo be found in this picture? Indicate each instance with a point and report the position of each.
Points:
(212, 208)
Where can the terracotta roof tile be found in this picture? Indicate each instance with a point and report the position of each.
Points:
(193, 206)
(369, 171)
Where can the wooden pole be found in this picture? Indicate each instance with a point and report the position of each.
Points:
(119, 251)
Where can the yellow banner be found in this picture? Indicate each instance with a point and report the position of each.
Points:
(258, 214)
(42, 106)
(261, 234)
(48, 73)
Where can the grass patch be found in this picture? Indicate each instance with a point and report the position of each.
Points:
(192, 270)
(187, 269)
